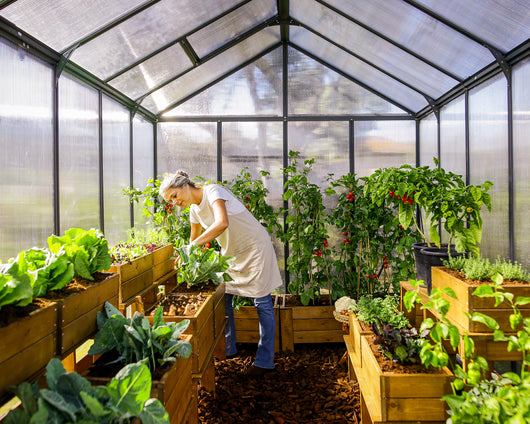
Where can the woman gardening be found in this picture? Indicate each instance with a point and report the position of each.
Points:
(254, 271)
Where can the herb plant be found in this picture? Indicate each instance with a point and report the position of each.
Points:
(201, 265)
(71, 398)
(476, 267)
(371, 309)
(402, 345)
(137, 340)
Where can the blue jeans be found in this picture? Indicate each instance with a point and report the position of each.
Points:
(267, 329)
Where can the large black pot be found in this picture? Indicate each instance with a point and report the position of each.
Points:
(427, 257)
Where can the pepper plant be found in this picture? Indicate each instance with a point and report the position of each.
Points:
(442, 197)
(309, 258)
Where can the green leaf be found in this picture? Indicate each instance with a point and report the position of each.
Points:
(59, 403)
(154, 413)
(486, 320)
(95, 407)
(54, 370)
(130, 388)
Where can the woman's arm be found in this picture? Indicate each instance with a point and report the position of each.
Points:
(219, 225)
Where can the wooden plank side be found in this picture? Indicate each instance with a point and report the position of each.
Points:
(133, 286)
(321, 336)
(316, 324)
(162, 269)
(163, 253)
(417, 385)
(416, 409)
(136, 267)
(286, 325)
(370, 381)
(303, 312)
(23, 333)
(246, 325)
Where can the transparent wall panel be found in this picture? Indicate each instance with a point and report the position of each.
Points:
(78, 155)
(143, 161)
(327, 143)
(257, 146)
(428, 140)
(191, 147)
(116, 170)
(521, 155)
(256, 89)
(383, 144)
(488, 149)
(453, 137)
(26, 146)
(316, 89)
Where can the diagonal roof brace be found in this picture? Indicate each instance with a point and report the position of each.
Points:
(65, 57)
(434, 106)
(190, 51)
(502, 62)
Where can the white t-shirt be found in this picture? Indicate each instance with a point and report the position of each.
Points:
(255, 269)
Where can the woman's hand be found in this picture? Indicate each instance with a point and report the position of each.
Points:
(216, 229)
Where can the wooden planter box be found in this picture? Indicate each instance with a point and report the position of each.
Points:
(77, 313)
(397, 397)
(247, 326)
(26, 348)
(163, 264)
(309, 324)
(134, 277)
(466, 302)
(353, 344)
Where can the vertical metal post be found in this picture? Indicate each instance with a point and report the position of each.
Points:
(219, 150)
(467, 150)
(56, 192)
(131, 164)
(285, 83)
(100, 167)
(351, 142)
(511, 189)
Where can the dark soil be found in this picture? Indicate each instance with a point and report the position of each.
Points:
(181, 304)
(309, 385)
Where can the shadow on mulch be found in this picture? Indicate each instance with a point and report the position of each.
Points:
(309, 385)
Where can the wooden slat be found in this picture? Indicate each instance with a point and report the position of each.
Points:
(316, 324)
(133, 286)
(322, 336)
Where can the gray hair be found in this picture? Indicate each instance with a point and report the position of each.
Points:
(176, 180)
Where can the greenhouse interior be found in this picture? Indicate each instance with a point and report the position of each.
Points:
(339, 186)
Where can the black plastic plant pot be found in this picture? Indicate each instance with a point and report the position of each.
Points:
(427, 257)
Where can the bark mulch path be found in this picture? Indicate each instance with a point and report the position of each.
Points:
(309, 385)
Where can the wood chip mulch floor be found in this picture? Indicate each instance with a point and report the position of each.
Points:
(309, 385)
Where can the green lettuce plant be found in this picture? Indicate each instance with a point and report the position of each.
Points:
(15, 284)
(70, 398)
(199, 265)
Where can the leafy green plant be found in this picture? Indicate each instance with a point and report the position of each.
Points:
(402, 345)
(476, 267)
(87, 250)
(509, 270)
(476, 398)
(71, 398)
(161, 215)
(385, 309)
(239, 301)
(442, 197)
(253, 194)
(137, 340)
(15, 284)
(371, 251)
(199, 265)
(309, 261)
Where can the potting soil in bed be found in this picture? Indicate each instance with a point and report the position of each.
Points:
(309, 385)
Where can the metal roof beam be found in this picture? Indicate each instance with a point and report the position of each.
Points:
(389, 40)
(283, 16)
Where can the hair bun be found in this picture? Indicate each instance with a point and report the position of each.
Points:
(182, 173)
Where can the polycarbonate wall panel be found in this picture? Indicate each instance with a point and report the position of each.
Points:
(211, 70)
(326, 142)
(152, 72)
(143, 161)
(374, 49)
(60, 23)
(79, 155)
(521, 155)
(26, 146)
(419, 33)
(257, 146)
(428, 140)
(316, 89)
(503, 24)
(488, 148)
(142, 34)
(231, 26)
(191, 147)
(383, 144)
(374, 79)
(256, 89)
(116, 170)
(453, 137)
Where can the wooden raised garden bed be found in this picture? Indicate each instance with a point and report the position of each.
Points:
(247, 326)
(134, 277)
(163, 264)
(26, 348)
(309, 324)
(400, 397)
(353, 343)
(467, 303)
(77, 313)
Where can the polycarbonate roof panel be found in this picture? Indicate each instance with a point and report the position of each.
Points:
(61, 23)
(372, 48)
(212, 70)
(419, 33)
(231, 26)
(378, 81)
(504, 24)
(152, 72)
(144, 33)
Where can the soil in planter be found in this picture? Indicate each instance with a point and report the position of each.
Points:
(10, 313)
(308, 386)
(461, 276)
(104, 368)
(181, 304)
(206, 287)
